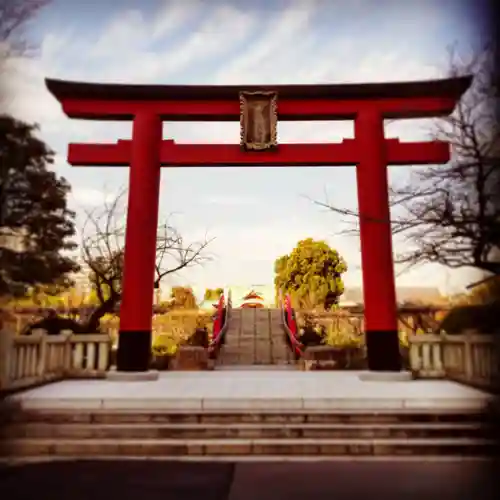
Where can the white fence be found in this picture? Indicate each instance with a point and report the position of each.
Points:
(470, 357)
(30, 360)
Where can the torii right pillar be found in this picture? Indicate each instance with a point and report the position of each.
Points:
(379, 290)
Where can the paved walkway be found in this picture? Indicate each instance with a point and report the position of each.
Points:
(255, 337)
(151, 480)
(255, 390)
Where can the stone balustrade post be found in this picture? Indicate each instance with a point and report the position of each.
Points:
(67, 352)
(468, 360)
(42, 354)
(6, 353)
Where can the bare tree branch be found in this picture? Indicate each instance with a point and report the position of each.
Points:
(102, 252)
(448, 214)
(103, 249)
(14, 15)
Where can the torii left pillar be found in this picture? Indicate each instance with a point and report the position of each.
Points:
(136, 309)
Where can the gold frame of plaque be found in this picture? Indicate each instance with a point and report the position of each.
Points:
(258, 120)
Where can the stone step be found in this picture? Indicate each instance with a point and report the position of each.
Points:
(256, 367)
(219, 431)
(280, 348)
(283, 417)
(228, 360)
(263, 359)
(280, 354)
(247, 342)
(235, 349)
(262, 349)
(231, 344)
(215, 447)
(246, 359)
(279, 341)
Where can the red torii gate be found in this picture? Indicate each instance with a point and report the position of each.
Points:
(367, 104)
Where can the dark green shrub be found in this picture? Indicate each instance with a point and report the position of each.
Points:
(200, 338)
(484, 318)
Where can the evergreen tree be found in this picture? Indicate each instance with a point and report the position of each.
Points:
(36, 226)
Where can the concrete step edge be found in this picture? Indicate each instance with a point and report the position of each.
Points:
(268, 412)
(256, 441)
(33, 459)
(452, 426)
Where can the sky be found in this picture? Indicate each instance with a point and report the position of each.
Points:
(255, 214)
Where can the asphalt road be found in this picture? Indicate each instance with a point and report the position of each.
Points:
(150, 480)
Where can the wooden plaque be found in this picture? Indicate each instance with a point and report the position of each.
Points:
(258, 120)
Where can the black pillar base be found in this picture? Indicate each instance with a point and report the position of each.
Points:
(383, 350)
(134, 351)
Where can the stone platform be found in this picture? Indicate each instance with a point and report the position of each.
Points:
(256, 390)
(233, 415)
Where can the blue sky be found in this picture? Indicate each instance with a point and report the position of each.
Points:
(255, 214)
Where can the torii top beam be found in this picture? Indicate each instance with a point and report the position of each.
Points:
(105, 101)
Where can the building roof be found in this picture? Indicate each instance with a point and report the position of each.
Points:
(403, 294)
(451, 87)
(253, 295)
(484, 281)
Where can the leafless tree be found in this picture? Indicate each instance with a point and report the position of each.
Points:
(449, 214)
(14, 16)
(102, 247)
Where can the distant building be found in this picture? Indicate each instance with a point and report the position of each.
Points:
(484, 281)
(253, 300)
(252, 294)
(82, 281)
(351, 297)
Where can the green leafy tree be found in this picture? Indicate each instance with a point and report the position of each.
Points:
(213, 293)
(36, 227)
(183, 298)
(311, 274)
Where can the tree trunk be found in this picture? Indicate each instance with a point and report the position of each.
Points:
(55, 324)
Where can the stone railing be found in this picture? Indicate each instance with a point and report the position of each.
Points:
(349, 321)
(470, 357)
(31, 360)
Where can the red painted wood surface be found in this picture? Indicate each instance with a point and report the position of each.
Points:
(375, 229)
(142, 225)
(345, 153)
(229, 110)
(218, 319)
(292, 326)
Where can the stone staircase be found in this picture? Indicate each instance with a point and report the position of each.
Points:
(46, 434)
(255, 338)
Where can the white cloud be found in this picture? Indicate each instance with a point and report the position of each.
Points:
(230, 200)
(126, 56)
(280, 34)
(266, 242)
(223, 44)
(92, 197)
(122, 53)
(173, 15)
